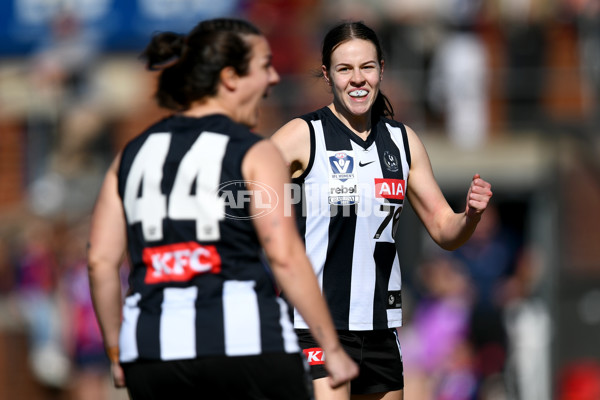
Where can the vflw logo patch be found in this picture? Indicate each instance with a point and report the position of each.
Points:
(342, 165)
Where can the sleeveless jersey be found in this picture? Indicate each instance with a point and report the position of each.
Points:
(199, 284)
(350, 200)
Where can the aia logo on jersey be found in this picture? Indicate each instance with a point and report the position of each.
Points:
(179, 262)
(390, 188)
(342, 165)
(314, 356)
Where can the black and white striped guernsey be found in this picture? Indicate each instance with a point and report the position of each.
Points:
(352, 194)
(198, 283)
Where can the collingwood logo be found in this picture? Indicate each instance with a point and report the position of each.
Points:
(390, 161)
(394, 299)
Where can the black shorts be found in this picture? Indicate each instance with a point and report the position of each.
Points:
(267, 376)
(376, 352)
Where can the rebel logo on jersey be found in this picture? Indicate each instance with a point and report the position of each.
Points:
(314, 356)
(180, 262)
(390, 188)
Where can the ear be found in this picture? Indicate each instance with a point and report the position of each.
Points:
(325, 75)
(229, 78)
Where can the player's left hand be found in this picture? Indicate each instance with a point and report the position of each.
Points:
(118, 375)
(478, 197)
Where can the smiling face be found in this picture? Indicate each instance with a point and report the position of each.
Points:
(355, 76)
(256, 83)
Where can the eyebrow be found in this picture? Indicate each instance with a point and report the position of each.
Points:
(350, 64)
(267, 59)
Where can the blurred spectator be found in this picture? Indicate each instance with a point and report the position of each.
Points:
(293, 30)
(89, 380)
(587, 17)
(36, 296)
(65, 58)
(527, 320)
(60, 69)
(458, 83)
(489, 258)
(7, 269)
(67, 150)
(90, 374)
(75, 167)
(524, 31)
(436, 352)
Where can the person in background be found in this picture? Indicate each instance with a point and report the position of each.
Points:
(490, 260)
(90, 373)
(355, 166)
(436, 347)
(202, 316)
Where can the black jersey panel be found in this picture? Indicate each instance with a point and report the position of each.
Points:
(337, 271)
(209, 319)
(384, 257)
(390, 158)
(148, 329)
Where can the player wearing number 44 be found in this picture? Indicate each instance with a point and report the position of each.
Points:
(354, 143)
(202, 318)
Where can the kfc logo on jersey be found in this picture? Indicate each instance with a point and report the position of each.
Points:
(314, 356)
(390, 188)
(179, 262)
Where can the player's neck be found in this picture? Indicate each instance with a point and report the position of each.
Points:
(206, 107)
(359, 124)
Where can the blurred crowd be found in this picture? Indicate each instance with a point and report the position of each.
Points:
(467, 71)
(478, 327)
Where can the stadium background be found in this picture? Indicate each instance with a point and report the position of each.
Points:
(524, 73)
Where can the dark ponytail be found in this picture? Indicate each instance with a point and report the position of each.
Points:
(382, 106)
(191, 64)
(163, 47)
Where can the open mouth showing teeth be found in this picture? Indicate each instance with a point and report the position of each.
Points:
(358, 93)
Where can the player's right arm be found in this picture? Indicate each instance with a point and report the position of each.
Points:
(106, 248)
(447, 228)
(293, 141)
(291, 267)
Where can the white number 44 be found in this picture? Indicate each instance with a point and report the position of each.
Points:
(144, 201)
